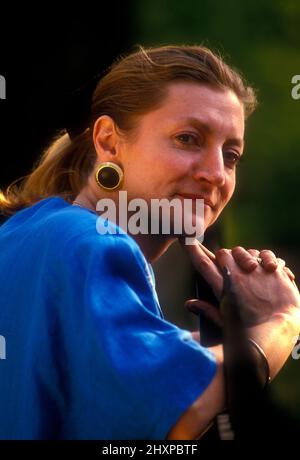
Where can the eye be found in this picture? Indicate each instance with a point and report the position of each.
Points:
(187, 139)
(231, 158)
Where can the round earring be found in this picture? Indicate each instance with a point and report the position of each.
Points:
(109, 176)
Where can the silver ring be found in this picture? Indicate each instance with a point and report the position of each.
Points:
(259, 260)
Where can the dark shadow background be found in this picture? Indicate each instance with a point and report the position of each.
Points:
(47, 53)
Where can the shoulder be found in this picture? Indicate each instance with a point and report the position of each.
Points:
(76, 235)
(67, 245)
(61, 235)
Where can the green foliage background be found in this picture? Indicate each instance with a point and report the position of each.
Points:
(261, 39)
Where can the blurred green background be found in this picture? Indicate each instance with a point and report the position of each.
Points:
(261, 39)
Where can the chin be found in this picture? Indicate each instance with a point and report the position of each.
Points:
(209, 220)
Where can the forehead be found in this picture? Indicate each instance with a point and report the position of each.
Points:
(217, 109)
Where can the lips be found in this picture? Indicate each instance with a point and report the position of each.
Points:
(193, 196)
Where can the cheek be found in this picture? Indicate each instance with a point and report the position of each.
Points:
(159, 170)
(145, 176)
(228, 189)
(226, 193)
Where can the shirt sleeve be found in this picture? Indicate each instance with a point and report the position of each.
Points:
(133, 373)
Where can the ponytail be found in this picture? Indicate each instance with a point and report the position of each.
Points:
(62, 170)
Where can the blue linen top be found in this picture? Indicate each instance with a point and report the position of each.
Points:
(88, 352)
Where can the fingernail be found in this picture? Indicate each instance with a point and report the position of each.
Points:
(273, 262)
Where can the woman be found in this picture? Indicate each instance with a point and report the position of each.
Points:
(89, 354)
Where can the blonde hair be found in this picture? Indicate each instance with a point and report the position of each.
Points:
(134, 85)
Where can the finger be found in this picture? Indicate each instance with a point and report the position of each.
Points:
(244, 259)
(289, 273)
(210, 254)
(280, 263)
(205, 266)
(269, 260)
(199, 306)
(254, 252)
(207, 252)
(224, 258)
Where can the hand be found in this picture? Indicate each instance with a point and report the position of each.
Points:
(205, 263)
(241, 262)
(262, 295)
(268, 260)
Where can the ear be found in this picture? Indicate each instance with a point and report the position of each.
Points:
(106, 138)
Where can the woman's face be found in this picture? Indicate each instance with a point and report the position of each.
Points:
(189, 147)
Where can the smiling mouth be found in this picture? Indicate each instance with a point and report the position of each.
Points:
(191, 196)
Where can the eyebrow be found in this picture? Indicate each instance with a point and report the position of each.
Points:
(197, 123)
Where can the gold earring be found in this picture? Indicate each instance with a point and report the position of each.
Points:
(109, 176)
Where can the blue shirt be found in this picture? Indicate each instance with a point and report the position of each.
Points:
(88, 352)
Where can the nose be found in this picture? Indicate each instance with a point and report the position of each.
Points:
(210, 167)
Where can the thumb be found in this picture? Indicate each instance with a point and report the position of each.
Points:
(200, 306)
(204, 262)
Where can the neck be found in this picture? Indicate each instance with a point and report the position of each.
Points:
(152, 246)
